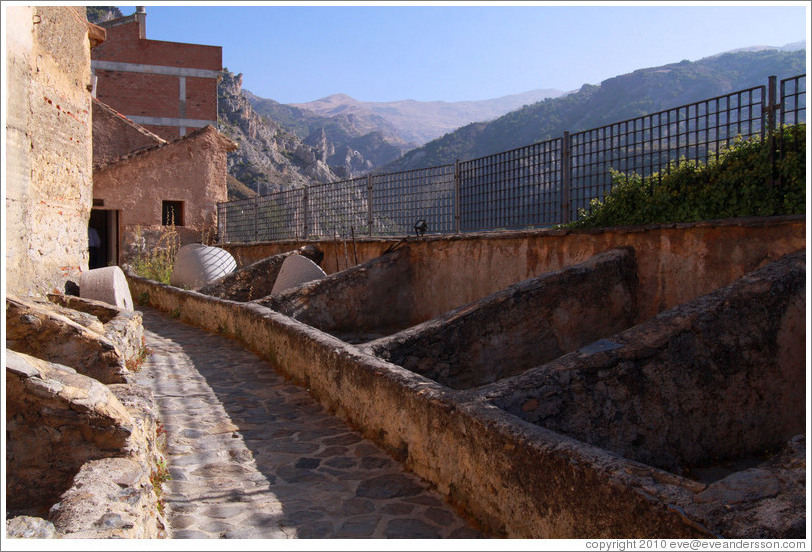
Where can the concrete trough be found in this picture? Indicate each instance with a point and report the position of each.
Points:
(522, 326)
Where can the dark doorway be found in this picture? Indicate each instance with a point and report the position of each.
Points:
(105, 223)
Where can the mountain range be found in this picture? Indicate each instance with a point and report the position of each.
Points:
(623, 97)
(339, 137)
(419, 122)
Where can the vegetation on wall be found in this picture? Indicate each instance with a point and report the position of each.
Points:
(156, 261)
(750, 178)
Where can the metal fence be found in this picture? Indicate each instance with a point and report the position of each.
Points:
(529, 187)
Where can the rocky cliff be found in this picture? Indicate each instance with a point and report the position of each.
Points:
(351, 143)
(269, 158)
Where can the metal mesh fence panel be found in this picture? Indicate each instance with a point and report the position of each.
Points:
(647, 144)
(236, 221)
(519, 188)
(337, 208)
(399, 200)
(793, 100)
(532, 186)
(281, 215)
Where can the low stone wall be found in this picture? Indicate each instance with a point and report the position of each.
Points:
(121, 326)
(40, 331)
(522, 326)
(523, 479)
(675, 262)
(256, 280)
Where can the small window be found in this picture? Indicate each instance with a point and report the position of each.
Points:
(172, 213)
(98, 203)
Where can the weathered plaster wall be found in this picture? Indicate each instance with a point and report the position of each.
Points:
(48, 147)
(191, 169)
(676, 262)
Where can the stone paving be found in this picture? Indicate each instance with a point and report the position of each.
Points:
(253, 456)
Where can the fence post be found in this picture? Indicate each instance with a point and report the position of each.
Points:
(772, 107)
(457, 188)
(256, 219)
(221, 227)
(566, 163)
(305, 214)
(369, 205)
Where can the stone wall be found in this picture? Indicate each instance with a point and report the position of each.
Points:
(48, 147)
(376, 296)
(191, 170)
(82, 457)
(675, 262)
(524, 325)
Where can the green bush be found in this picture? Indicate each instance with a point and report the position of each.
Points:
(741, 182)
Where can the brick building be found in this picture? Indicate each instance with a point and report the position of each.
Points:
(168, 87)
(158, 159)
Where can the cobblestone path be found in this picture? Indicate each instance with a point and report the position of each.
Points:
(254, 456)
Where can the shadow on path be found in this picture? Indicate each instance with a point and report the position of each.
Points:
(253, 456)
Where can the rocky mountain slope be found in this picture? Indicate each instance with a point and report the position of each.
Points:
(270, 158)
(616, 99)
(349, 144)
(419, 122)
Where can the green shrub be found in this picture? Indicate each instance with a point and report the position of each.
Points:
(741, 182)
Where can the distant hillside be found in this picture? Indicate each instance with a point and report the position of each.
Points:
(616, 99)
(419, 122)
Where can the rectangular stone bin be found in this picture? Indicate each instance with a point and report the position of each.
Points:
(716, 379)
(257, 279)
(524, 325)
(375, 297)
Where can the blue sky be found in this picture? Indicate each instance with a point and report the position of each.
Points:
(461, 51)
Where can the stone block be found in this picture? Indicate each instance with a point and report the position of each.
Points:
(197, 265)
(106, 284)
(123, 327)
(30, 527)
(296, 270)
(34, 329)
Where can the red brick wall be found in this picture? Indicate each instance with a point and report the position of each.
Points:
(122, 44)
(155, 95)
(140, 94)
